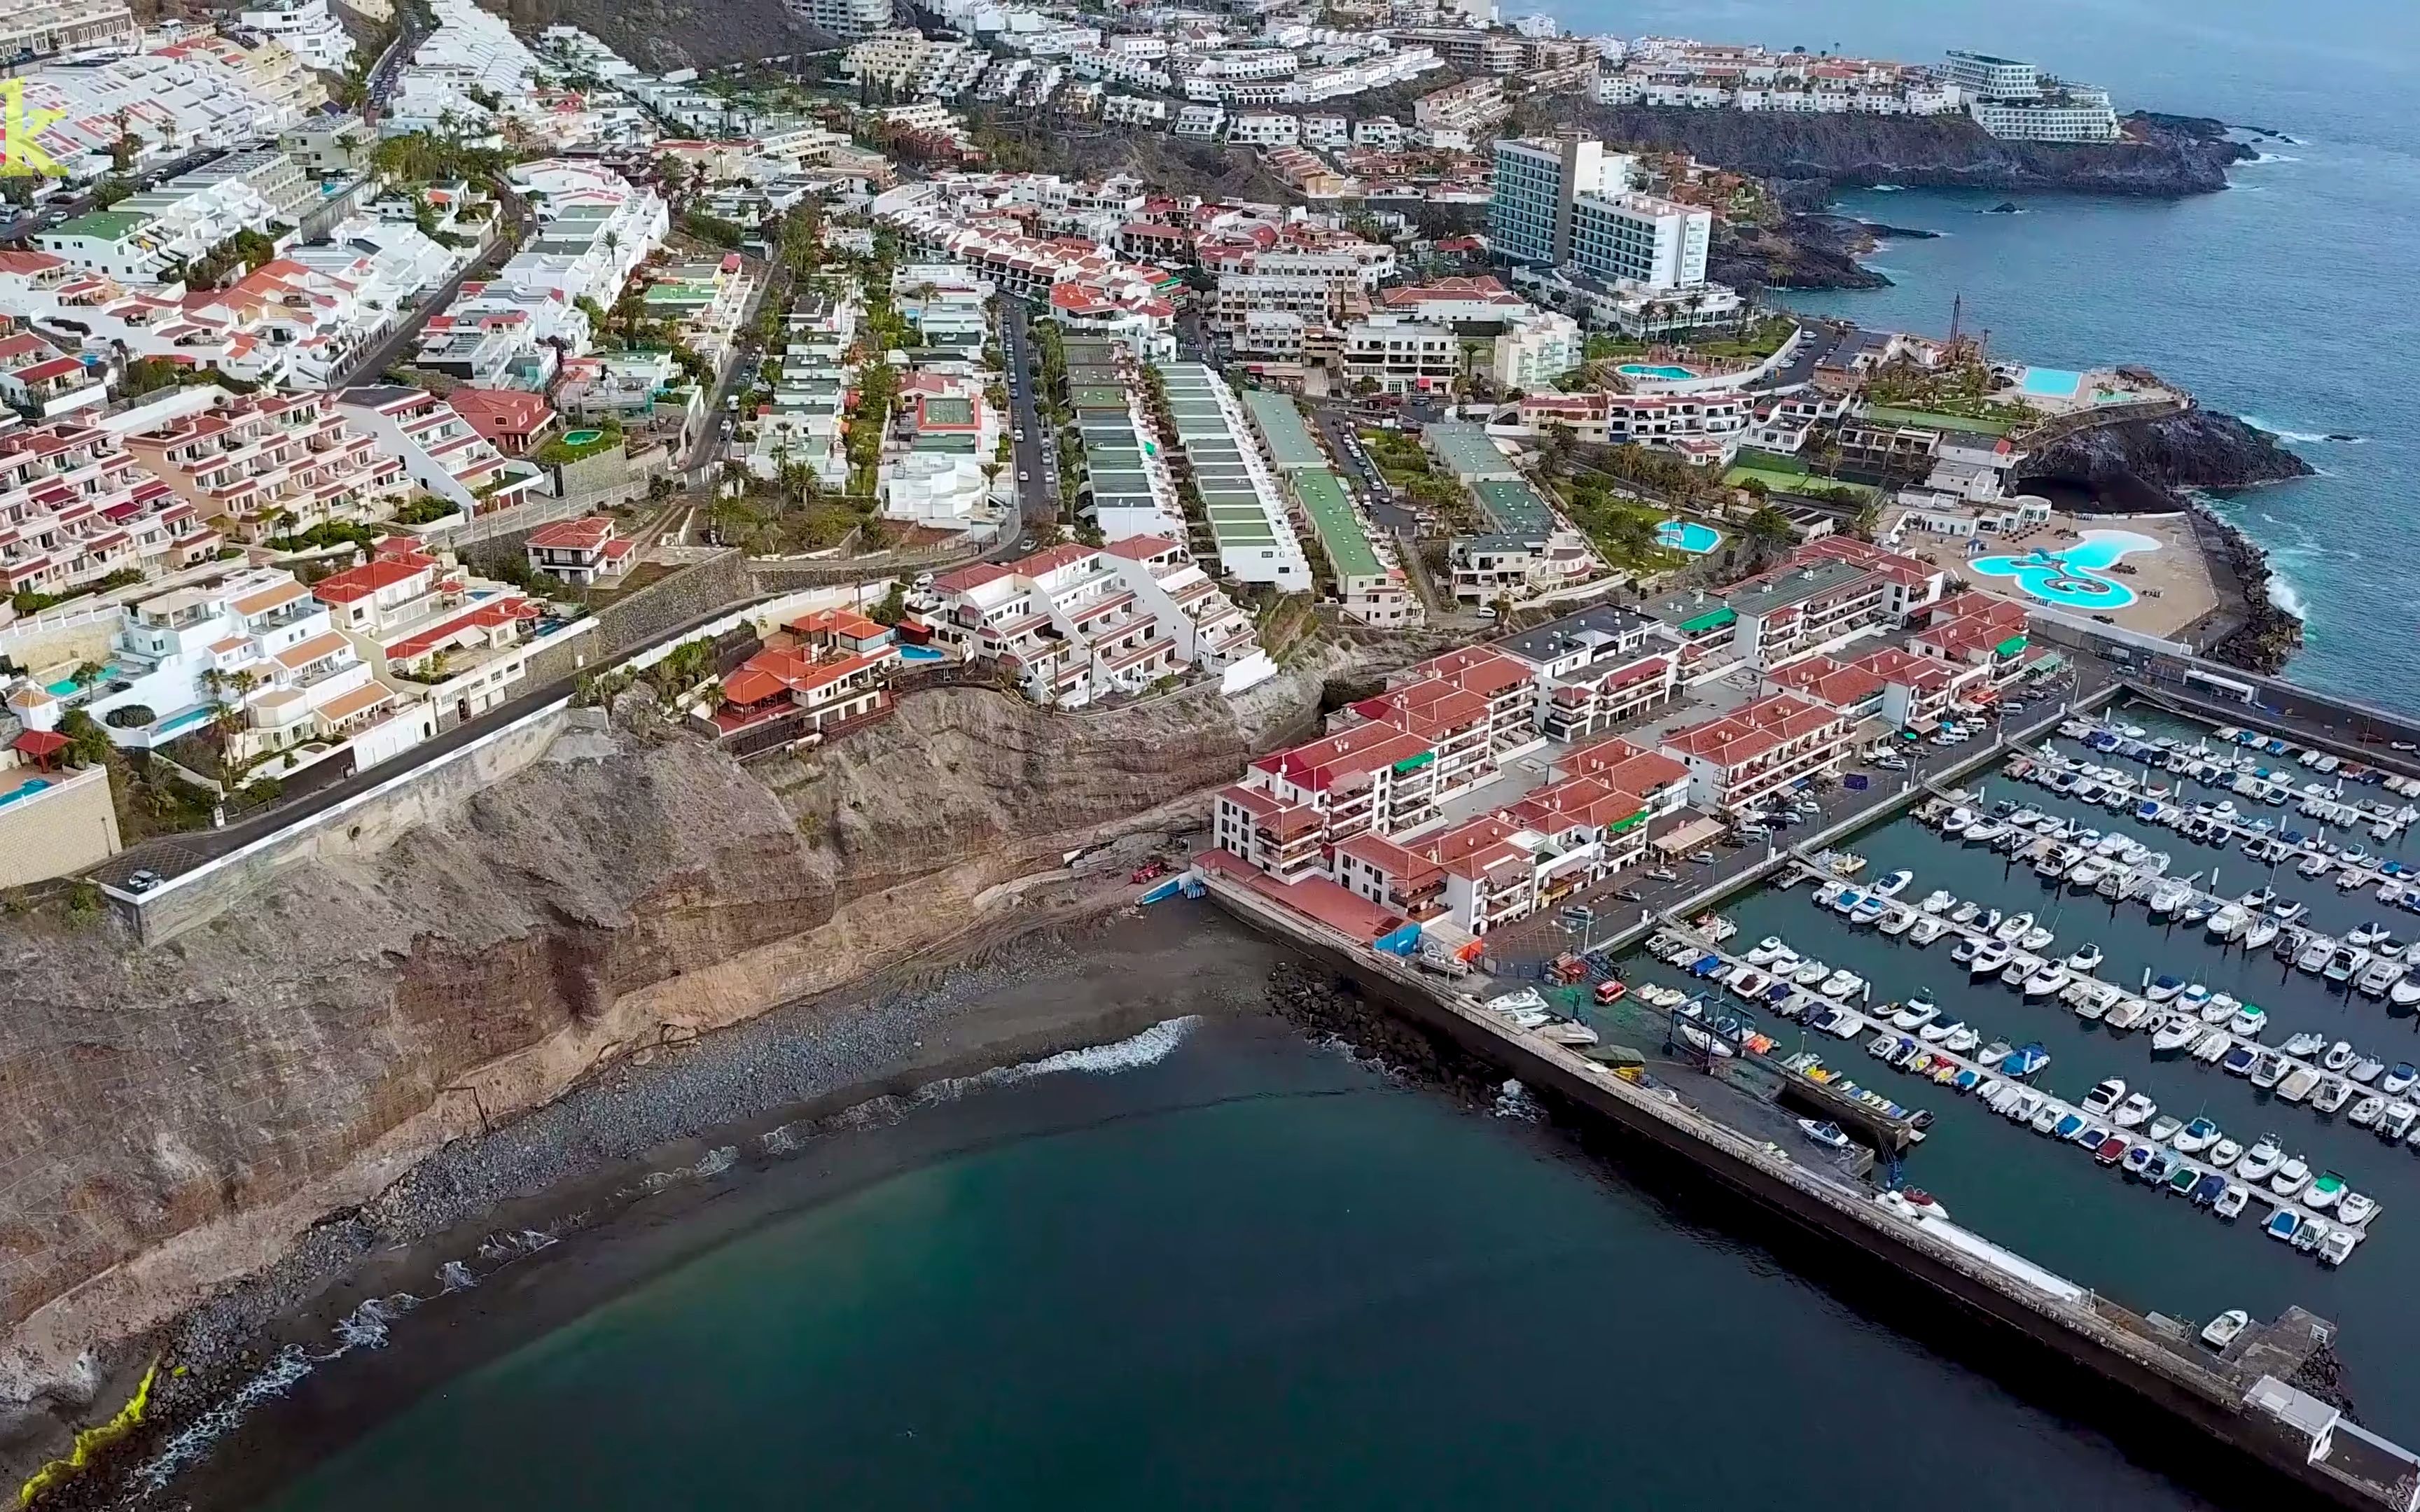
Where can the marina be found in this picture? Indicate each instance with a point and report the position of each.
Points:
(2131, 1038)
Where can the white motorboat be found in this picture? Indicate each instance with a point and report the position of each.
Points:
(2261, 1161)
(2405, 993)
(1990, 959)
(2196, 1136)
(1957, 820)
(2221, 1330)
(2225, 1153)
(1811, 973)
(2212, 1047)
(1767, 949)
(1842, 984)
(2104, 1098)
(1938, 902)
(2248, 1022)
(2036, 938)
(1965, 913)
(2292, 1176)
(2355, 1208)
(2087, 960)
(2230, 921)
(2260, 932)
(2176, 1032)
(2232, 1201)
(2047, 979)
(1914, 1016)
(2220, 1007)
(2013, 928)
(1926, 929)
(2135, 1111)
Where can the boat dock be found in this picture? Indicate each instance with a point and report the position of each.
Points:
(1826, 1096)
(2288, 1441)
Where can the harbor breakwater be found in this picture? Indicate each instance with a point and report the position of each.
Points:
(2211, 1427)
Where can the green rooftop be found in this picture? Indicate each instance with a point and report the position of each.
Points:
(103, 225)
(1289, 439)
(1340, 530)
(1933, 420)
(1466, 452)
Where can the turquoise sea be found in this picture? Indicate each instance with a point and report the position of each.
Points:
(1252, 1273)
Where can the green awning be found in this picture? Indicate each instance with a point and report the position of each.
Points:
(1708, 621)
(1632, 823)
(1413, 764)
(2009, 647)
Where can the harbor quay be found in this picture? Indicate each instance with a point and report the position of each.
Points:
(2232, 1334)
(2217, 1414)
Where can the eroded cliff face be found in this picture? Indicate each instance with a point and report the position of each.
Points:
(2167, 156)
(174, 1114)
(2141, 463)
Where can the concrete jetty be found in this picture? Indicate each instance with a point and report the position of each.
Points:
(2240, 1402)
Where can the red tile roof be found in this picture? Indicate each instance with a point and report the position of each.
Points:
(384, 570)
(587, 534)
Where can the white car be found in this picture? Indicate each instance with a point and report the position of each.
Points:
(1023, 476)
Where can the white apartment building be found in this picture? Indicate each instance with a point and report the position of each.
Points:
(143, 236)
(440, 451)
(1240, 296)
(255, 641)
(1325, 131)
(306, 28)
(2079, 115)
(1256, 130)
(417, 620)
(1133, 109)
(1531, 214)
(1639, 238)
(595, 228)
(1200, 123)
(1535, 349)
(1402, 356)
(75, 507)
(1075, 623)
(41, 27)
(1383, 133)
(1985, 77)
(1241, 495)
(843, 18)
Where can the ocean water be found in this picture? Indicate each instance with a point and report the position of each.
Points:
(2284, 300)
(1248, 1273)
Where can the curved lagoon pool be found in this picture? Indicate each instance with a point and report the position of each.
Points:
(2071, 579)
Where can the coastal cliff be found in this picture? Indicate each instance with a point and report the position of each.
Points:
(2161, 458)
(181, 1114)
(2162, 157)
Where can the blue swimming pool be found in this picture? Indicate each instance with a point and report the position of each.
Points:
(1652, 370)
(24, 790)
(919, 653)
(1688, 535)
(2071, 579)
(2051, 383)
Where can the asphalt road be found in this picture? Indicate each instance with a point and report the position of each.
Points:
(742, 358)
(1037, 486)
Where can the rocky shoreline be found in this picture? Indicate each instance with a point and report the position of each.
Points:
(2269, 634)
(1077, 971)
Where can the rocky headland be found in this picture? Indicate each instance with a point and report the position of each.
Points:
(2163, 464)
(2163, 157)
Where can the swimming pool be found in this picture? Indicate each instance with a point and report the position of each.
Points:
(919, 653)
(1651, 370)
(581, 438)
(24, 790)
(1688, 535)
(2051, 383)
(2070, 578)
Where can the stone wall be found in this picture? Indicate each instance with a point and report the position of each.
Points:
(688, 596)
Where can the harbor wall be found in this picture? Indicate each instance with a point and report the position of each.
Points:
(2080, 1356)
